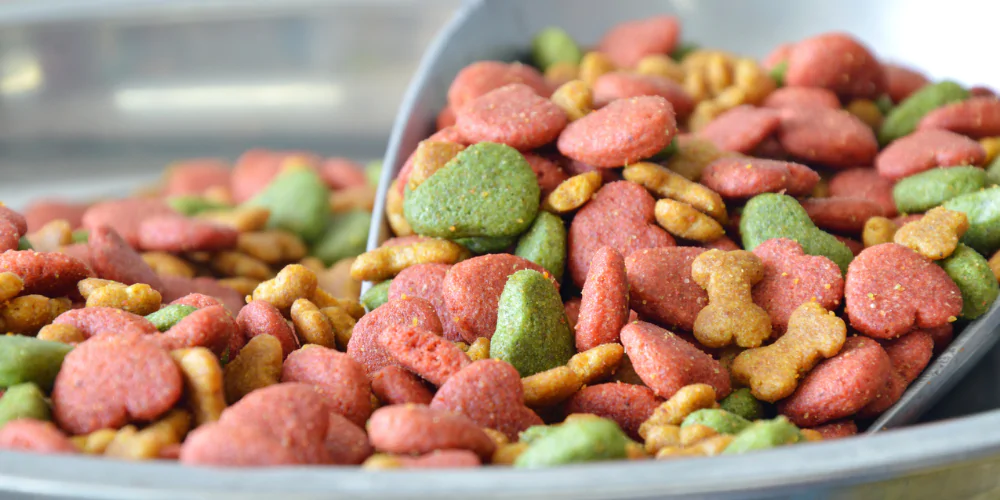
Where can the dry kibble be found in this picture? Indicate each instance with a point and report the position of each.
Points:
(867, 111)
(661, 436)
(258, 365)
(691, 434)
(203, 383)
(61, 332)
(498, 437)
(684, 221)
(341, 323)
(146, 444)
(674, 410)
(394, 211)
(337, 281)
(935, 235)
(508, 453)
(635, 451)
(597, 363)
(660, 65)
(430, 157)
(811, 435)
(562, 71)
(293, 282)
(352, 198)
(593, 65)
(461, 346)
(311, 325)
(52, 236)
(322, 299)
(272, 246)
(550, 387)
(572, 193)
(575, 98)
(995, 264)
(88, 285)
(95, 443)
(10, 286)
(165, 264)
(381, 461)
(878, 230)
(242, 219)
(992, 147)
(772, 372)
(138, 299)
(480, 349)
(385, 262)
(240, 264)
(243, 286)
(667, 184)
(27, 314)
(692, 156)
(731, 313)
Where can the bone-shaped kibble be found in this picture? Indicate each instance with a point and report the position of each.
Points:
(730, 314)
(935, 235)
(773, 371)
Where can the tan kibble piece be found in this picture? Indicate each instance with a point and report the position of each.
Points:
(550, 387)
(772, 372)
(87, 286)
(626, 374)
(258, 365)
(704, 112)
(95, 443)
(10, 286)
(660, 65)
(461, 345)
(562, 71)
(992, 147)
(508, 453)
(731, 313)
(385, 262)
(673, 411)
(230, 263)
(52, 236)
(662, 436)
(293, 282)
(165, 264)
(751, 79)
(27, 314)
(575, 98)
(580, 416)
(691, 434)
(243, 286)
(821, 189)
(692, 156)
(878, 230)
(597, 363)
(242, 219)
(684, 221)
(312, 326)
(714, 445)
(272, 246)
(672, 452)
(394, 211)
(935, 235)
(341, 323)
(498, 437)
(323, 299)
(572, 193)
(994, 263)
(667, 184)
(479, 349)
(718, 72)
(61, 332)
(635, 451)
(811, 435)
(381, 461)
(139, 298)
(353, 198)
(146, 444)
(867, 111)
(430, 157)
(593, 65)
(203, 383)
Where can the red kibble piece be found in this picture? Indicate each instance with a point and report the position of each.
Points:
(665, 362)
(741, 129)
(604, 306)
(336, 376)
(409, 311)
(621, 133)
(627, 404)
(661, 288)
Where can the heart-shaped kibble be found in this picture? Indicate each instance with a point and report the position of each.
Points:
(666, 362)
(621, 215)
(533, 333)
(830, 137)
(768, 216)
(792, 278)
(890, 289)
(114, 378)
(336, 376)
(621, 133)
(490, 393)
(926, 149)
(409, 311)
(513, 115)
(741, 129)
(739, 178)
(486, 190)
(661, 288)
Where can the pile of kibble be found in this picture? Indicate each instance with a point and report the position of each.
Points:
(647, 249)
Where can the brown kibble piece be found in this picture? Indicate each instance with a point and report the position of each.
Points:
(684, 221)
(52, 236)
(27, 314)
(311, 325)
(293, 282)
(479, 349)
(935, 235)
(230, 263)
(430, 157)
(661, 436)
(772, 372)
(508, 453)
(878, 230)
(572, 193)
(394, 211)
(203, 382)
(272, 246)
(674, 410)
(574, 98)
(597, 363)
(130, 444)
(667, 184)
(10, 286)
(695, 433)
(730, 314)
(243, 219)
(385, 262)
(341, 323)
(257, 365)
(59, 332)
(138, 299)
(165, 264)
(660, 65)
(550, 387)
(593, 65)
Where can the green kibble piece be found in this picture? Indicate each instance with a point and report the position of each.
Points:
(480, 245)
(903, 119)
(721, 420)
(764, 434)
(373, 171)
(975, 280)
(741, 402)
(778, 73)
(535, 432)
(884, 104)
(24, 244)
(553, 45)
(299, 202)
(583, 440)
(533, 333)
(169, 316)
(487, 190)
(928, 189)
(769, 215)
(666, 152)
(346, 235)
(683, 49)
(23, 401)
(983, 210)
(27, 359)
(193, 205)
(81, 236)
(377, 295)
(545, 244)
